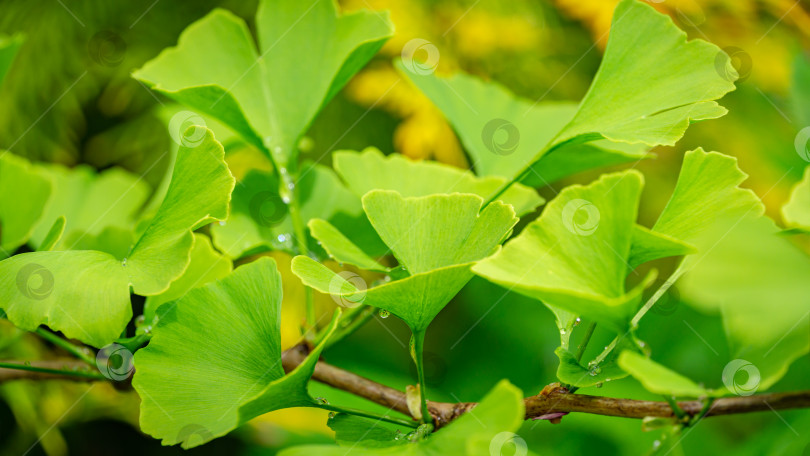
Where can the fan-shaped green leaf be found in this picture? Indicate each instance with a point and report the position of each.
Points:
(657, 378)
(504, 133)
(649, 90)
(371, 170)
(796, 212)
(444, 236)
(24, 191)
(480, 432)
(306, 53)
(575, 256)
(214, 361)
(85, 294)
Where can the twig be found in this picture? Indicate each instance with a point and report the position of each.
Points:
(551, 400)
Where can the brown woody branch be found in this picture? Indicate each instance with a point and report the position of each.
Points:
(553, 399)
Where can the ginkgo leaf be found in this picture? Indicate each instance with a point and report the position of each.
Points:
(260, 219)
(85, 294)
(9, 45)
(575, 255)
(444, 236)
(205, 265)
(214, 361)
(485, 431)
(371, 170)
(757, 280)
(658, 379)
(504, 133)
(796, 212)
(649, 90)
(707, 190)
(24, 191)
(219, 70)
(90, 202)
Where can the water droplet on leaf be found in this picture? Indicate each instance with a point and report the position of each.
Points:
(384, 314)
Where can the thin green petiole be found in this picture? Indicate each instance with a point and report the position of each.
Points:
(587, 338)
(417, 347)
(45, 370)
(82, 353)
(364, 414)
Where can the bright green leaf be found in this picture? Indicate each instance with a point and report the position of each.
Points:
(54, 234)
(504, 133)
(354, 431)
(575, 256)
(657, 378)
(269, 93)
(214, 361)
(24, 191)
(444, 236)
(371, 170)
(85, 294)
(652, 82)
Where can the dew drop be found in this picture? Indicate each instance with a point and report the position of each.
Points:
(562, 331)
(321, 401)
(384, 314)
(577, 321)
(332, 415)
(285, 199)
(124, 262)
(291, 185)
(598, 385)
(282, 238)
(656, 444)
(222, 223)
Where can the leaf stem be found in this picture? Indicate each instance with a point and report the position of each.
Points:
(46, 370)
(290, 191)
(417, 347)
(364, 414)
(82, 353)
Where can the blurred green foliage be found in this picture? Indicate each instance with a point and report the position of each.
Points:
(69, 99)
